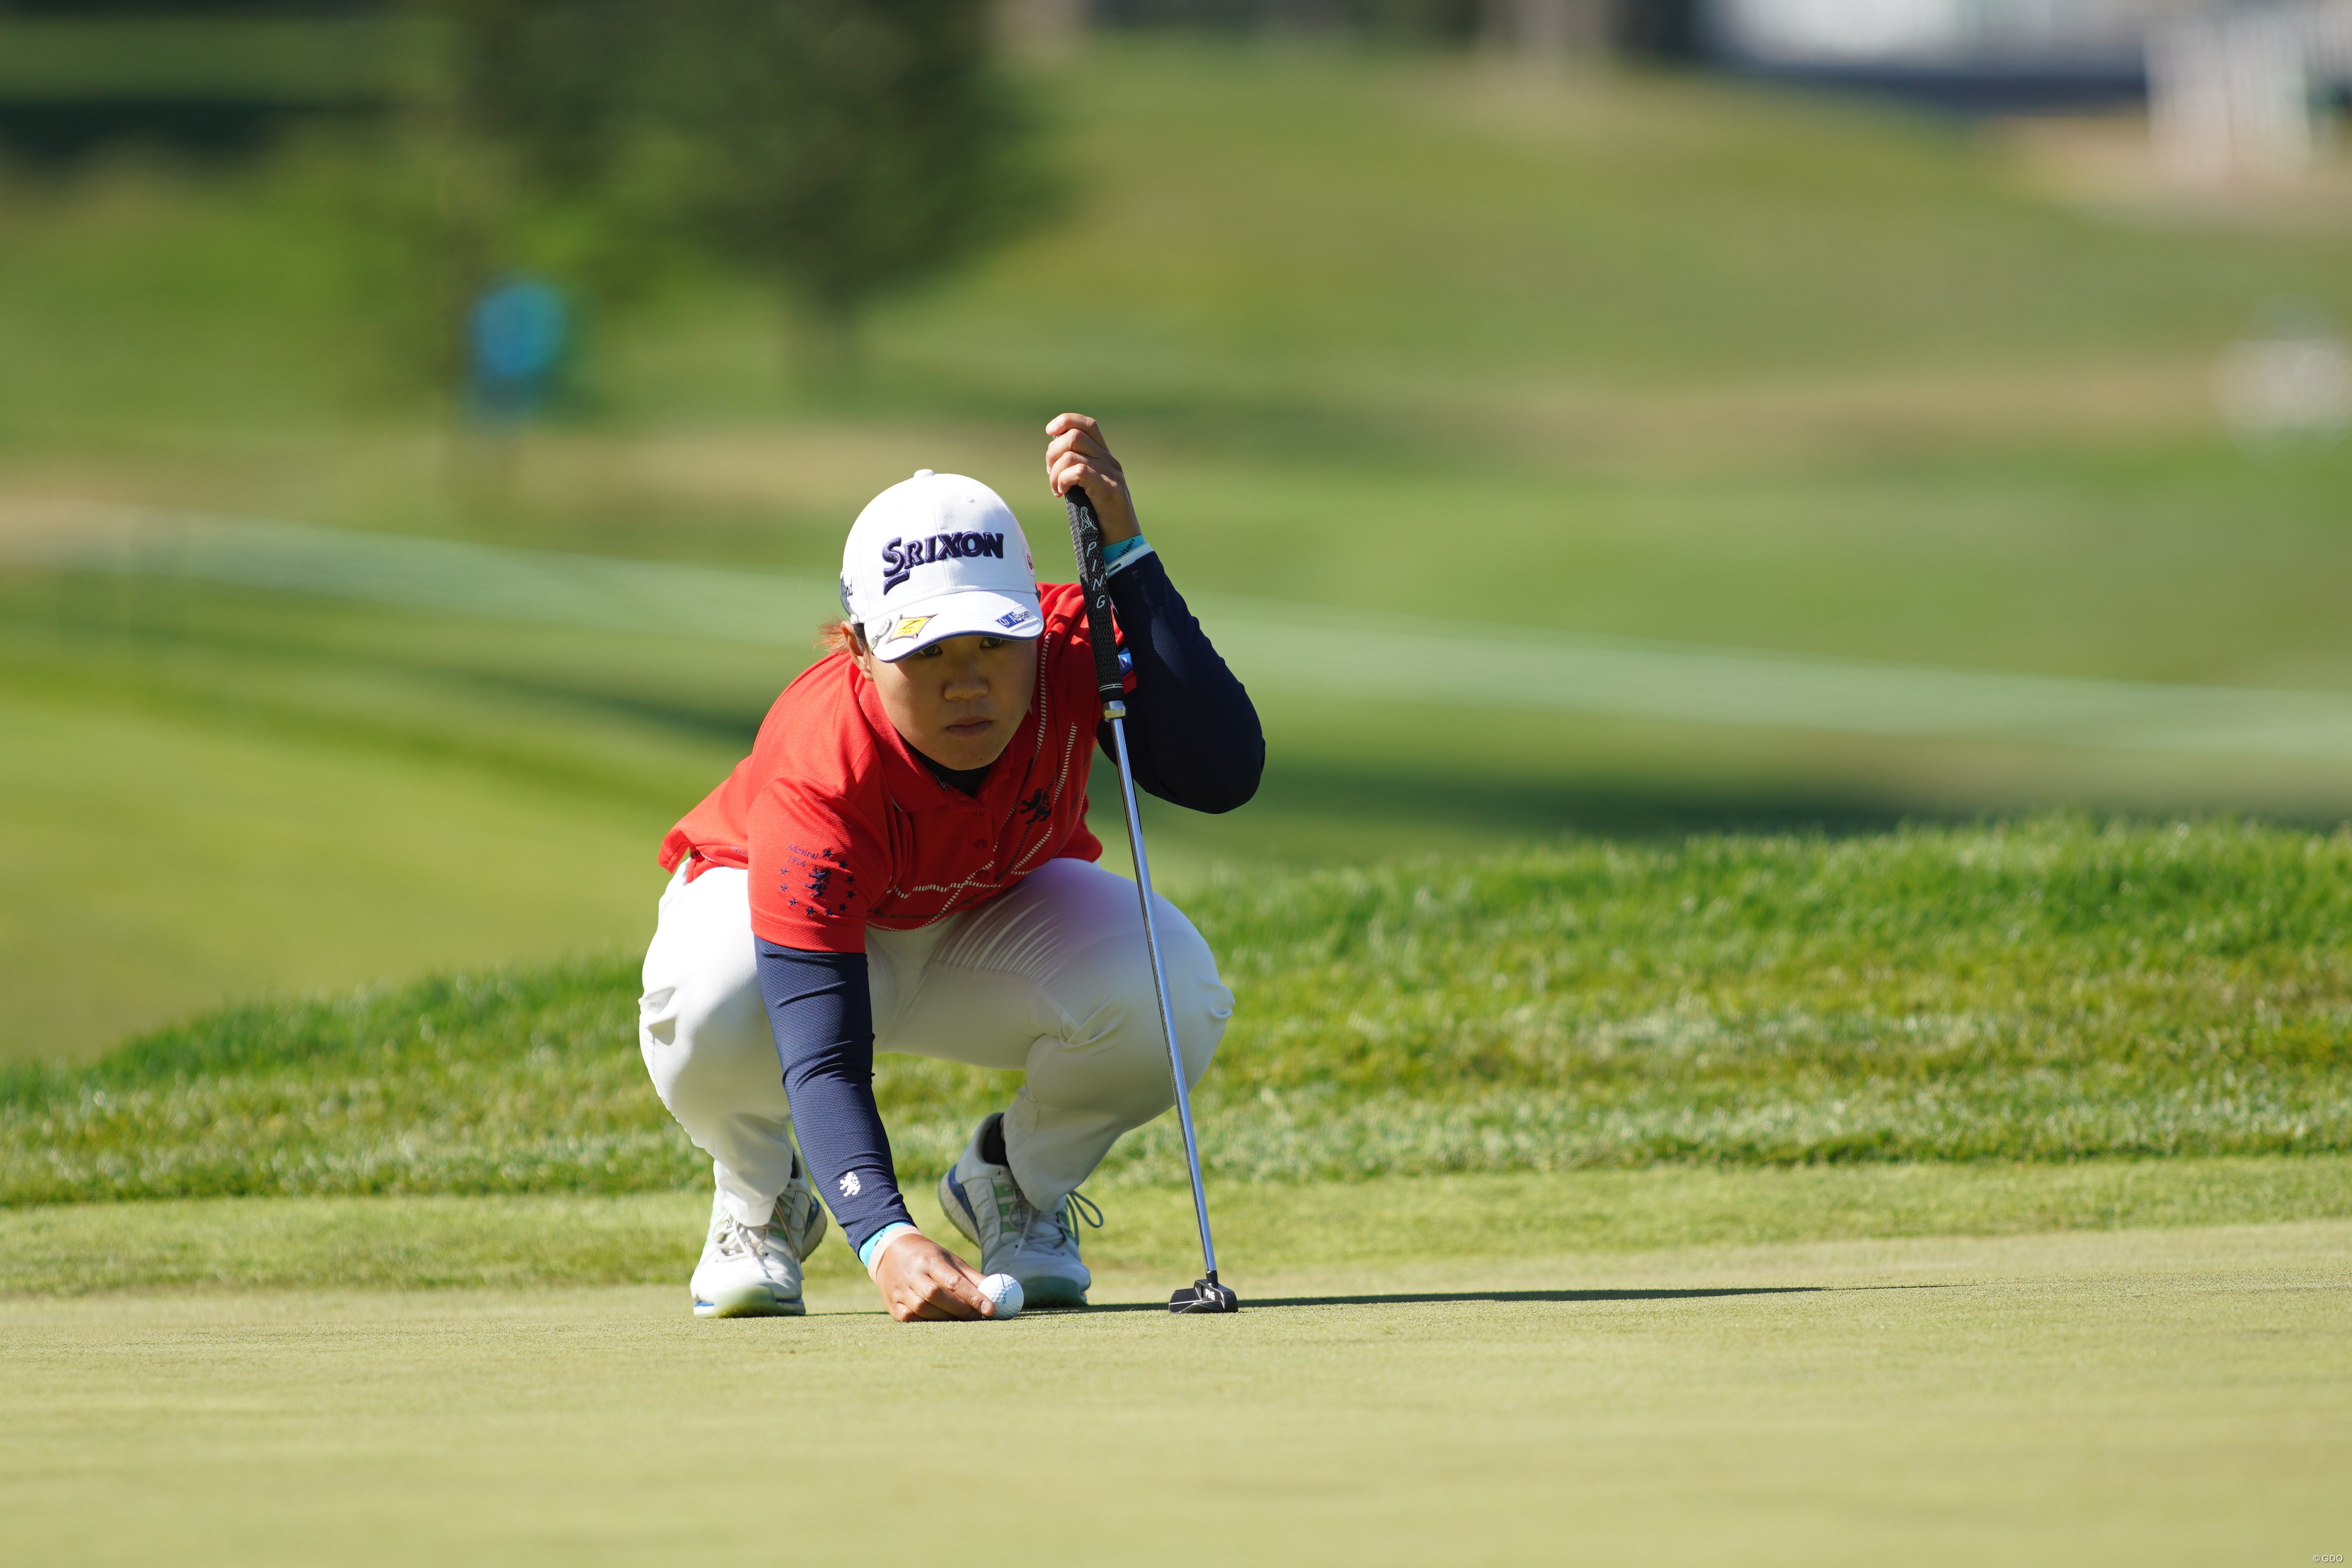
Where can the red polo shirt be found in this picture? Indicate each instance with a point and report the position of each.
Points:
(842, 826)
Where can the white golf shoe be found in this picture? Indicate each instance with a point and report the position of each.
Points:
(754, 1270)
(1037, 1246)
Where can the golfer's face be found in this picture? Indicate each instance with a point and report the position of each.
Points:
(959, 701)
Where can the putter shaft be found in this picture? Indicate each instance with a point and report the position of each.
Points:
(1206, 1294)
(1116, 714)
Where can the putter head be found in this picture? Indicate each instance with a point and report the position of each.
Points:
(1205, 1296)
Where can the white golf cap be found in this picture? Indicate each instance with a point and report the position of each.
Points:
(937, 556)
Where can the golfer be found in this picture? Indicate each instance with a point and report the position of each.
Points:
(903, 864)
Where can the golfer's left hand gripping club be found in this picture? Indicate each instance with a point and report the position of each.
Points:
(1204, 1295)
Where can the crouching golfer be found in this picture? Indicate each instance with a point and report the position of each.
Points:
(903, 864)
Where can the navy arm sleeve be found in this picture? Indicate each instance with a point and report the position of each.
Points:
(1191, 732)
(822, 1017)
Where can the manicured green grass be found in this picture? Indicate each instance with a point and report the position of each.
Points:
(1653, 358)
(1700, 362)
(651, 1238)
(152, 860)
(1325, 235)
(2166, 1397)
(1663, 358)
(209, 795)
(292, 728)
(1416, 244)
(2053, 990)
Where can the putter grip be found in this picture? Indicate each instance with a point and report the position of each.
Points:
(1086, 541)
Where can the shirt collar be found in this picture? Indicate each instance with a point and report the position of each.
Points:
(913, 785)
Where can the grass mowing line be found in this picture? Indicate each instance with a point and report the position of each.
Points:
(259, 864)
(2169, 1399)
(445, 576)
(2049, 990)
(1274, 646)
(547, 1240)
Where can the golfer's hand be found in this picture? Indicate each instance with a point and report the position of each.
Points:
(920, 1278)
(1076, 455)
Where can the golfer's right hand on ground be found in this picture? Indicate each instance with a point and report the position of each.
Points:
(920, 1278)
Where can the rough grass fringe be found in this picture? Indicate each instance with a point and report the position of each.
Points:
(2053, 990)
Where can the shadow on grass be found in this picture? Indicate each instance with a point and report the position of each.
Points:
(1444, 1297)
(1333, 799)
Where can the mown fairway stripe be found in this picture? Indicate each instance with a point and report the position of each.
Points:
(1274, 646)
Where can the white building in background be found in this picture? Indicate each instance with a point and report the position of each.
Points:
(2234, 86)
(1933, 35)
(2249, 90)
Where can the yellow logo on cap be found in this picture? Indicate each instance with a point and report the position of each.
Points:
(908, 626)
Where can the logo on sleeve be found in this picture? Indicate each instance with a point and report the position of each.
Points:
(850, 1187)
(815, 882)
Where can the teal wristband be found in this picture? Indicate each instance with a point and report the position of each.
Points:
(880, 1239)
(1126, 553)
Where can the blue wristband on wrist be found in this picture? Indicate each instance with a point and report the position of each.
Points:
(880, 1239)
(1126, 553)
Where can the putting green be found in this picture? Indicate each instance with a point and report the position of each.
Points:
(545, 1240)
(2134, 1397)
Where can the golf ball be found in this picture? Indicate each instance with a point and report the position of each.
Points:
(1005, 1291)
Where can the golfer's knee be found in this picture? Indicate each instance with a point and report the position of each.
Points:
(1202, 1004)
(708, 1050)
(1116, 1058)
(1201, 1007)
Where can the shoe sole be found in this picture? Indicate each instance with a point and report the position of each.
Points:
(752, 1301)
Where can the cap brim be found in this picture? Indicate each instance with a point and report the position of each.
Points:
(969, 613)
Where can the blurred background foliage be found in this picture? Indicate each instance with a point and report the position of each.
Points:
(1389, 314)
(841, 151)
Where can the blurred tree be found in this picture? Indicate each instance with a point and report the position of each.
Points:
(511, 77)
(845, 150)
(537, 106)
(555, 84)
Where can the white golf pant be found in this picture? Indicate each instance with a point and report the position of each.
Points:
(1051, 978)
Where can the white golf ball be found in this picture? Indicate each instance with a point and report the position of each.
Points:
(1005, 1291)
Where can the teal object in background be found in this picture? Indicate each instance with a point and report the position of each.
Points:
(518, 329)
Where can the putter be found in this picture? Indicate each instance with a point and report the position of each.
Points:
(1204, 1295)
